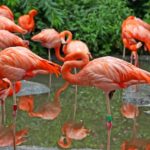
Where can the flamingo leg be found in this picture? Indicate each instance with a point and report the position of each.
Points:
(50, 76)
(75, 99)
(134, 128)
(14, 116)
(124, 53)
(109, 120)
(2, 111)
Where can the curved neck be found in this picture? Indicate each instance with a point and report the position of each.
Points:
(57, 53)
(68, 40)
(32, 13)
(59, 91)
(72, 62)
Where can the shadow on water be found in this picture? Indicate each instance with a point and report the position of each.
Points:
(90, 108)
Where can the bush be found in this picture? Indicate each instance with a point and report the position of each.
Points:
(97, 23)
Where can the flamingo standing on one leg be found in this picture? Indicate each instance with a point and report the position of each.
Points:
(133, 30)
(6, 12)
(8, 39)
(52, 109)
(106, 73)
(27, 21)
(17, 63)
(50, 38)
(7, 24)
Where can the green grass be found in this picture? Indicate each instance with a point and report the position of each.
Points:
(91, 108)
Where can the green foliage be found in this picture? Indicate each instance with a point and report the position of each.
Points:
(98, 23)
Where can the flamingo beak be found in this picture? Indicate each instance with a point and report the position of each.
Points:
(63, 41)
(90, 56)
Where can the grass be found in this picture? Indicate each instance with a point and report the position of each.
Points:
(91, 108)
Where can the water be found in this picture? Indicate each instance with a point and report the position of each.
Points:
(91, 109)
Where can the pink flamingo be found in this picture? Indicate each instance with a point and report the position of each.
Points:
(51, 110)
(135, 29)
(6, 12)
(17, 63)
(7, 24)
(8, 39)
(27, 21)
(106, 73)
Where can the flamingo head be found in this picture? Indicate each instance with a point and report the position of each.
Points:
(33, 12)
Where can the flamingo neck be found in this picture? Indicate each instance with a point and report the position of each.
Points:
(57, 53)
(69, 38)
(59, 91)
(69, 65)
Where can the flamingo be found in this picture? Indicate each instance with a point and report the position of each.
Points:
(8, 39)
(27, 21)
(51, 110)
(17, 63)
(133, 30)
(7, 24)
(50, 38)
(130, 111)
(6, 136)
(6, 12)
(106, 73)
(72, 130)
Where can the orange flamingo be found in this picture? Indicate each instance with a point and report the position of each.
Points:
(17, 63)
(6, 136)
(7, 24)
(133, 30)
(27, 21)
(131, 111)
(50, 38)
(8, 39)
(72, 130)
(106, 73)
(6, 12)
(51, 110)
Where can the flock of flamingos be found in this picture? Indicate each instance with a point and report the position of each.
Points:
(108, 73)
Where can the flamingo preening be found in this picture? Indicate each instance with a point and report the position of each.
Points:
(17, 63)
(8, 39)
(134, 33)
(7, 24)
(27, 21)
(6, 12)
(106, 73)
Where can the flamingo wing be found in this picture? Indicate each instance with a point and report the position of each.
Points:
(109, 73)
